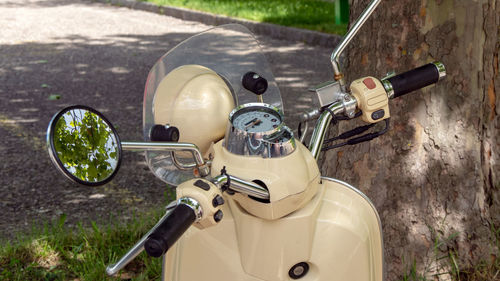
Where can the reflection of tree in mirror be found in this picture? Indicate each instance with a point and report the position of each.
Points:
(86, 145)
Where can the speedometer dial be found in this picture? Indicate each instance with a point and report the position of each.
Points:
(254, 120)
(258, 129)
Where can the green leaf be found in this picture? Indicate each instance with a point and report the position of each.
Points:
(44, 85)
(41, 61)
(62, 220)
(54, 97)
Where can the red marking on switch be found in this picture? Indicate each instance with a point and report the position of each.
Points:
(369, 83)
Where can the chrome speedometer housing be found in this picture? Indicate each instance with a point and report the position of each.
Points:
(257, 129)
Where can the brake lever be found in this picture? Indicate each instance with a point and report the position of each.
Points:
(112, 269)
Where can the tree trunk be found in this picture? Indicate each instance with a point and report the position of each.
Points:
(434, 177)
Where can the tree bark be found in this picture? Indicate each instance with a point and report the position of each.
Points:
(434, 177)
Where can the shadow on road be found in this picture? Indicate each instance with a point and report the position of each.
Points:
(39, 79)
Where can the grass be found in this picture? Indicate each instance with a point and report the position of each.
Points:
(445, 264)
(308, 14)
(55, 252)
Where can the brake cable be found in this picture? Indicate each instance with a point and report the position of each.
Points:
(353, 132)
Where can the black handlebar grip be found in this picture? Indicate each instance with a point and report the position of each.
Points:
(415, 79)
(167, 233)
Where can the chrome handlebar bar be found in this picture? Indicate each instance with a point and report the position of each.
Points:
(318, 135)
(242, 186)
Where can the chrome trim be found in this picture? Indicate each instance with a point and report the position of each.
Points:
(440, 68)
(202, 166)
(388, 87)
(242, 186)
(328, 92)
(255, 104)
(183, 166)
(171, 205)
(179, 165)
(193, 204)
(306, 116)
(347, 39)
(112, 269)
(350, 105)
(319, 133)
(304, 133)
(389, 74)
(220, 180)
(274, 143)
(384, 269)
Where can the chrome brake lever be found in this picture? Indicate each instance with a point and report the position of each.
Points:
(112, 269)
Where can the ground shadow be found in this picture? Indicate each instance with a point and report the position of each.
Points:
(108, 74)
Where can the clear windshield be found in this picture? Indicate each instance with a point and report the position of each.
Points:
(229, 50)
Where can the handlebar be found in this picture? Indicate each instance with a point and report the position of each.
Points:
(179, 217)
(394, 86)
(240, 185)
(181, 214)
(414, 79)
(112, 269)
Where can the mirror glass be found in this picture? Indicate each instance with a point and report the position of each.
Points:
(84, 145)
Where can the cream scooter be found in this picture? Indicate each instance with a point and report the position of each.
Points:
(251, 203)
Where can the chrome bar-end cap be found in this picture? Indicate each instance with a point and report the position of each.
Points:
(388, 87)
(441, 69)
(194, 205)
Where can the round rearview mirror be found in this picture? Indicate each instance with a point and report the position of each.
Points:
(83, 144)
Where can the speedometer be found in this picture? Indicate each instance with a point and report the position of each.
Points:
(255, 119)
(258, 129)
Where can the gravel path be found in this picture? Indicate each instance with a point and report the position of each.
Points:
(97, 55)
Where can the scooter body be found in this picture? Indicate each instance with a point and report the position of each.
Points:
(327, 228)
(337, 234)
(251, 202)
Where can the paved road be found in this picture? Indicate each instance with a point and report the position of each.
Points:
(97, 55)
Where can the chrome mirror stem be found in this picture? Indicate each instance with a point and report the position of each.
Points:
(339, 76)
(202, 166)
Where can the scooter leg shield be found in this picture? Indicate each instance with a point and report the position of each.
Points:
(338, 234)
